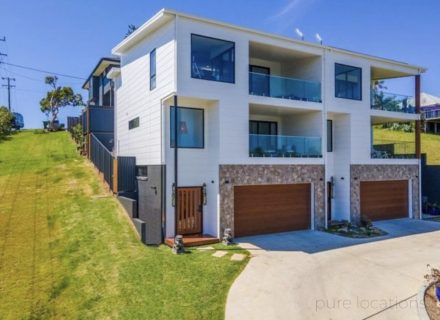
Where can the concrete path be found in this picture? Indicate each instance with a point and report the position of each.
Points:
(316, 275)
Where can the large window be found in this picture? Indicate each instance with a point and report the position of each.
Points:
(190, 128)
(134, 123)
(348, 82)
(153, 69)
(263, 127)
(212, 59)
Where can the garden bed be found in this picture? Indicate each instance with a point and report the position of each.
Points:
(349, 230)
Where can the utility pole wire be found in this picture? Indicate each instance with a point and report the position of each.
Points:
(9, 86)
(42, 71)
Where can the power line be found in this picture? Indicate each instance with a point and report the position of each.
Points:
(9, 86)
(42, 71)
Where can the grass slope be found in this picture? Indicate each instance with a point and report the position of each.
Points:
(430, 142)
(68, 252)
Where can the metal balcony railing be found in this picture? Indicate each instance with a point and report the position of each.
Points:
(391, 102)
(388, 149)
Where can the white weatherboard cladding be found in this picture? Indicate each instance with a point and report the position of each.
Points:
(136, 100)
(195, 166)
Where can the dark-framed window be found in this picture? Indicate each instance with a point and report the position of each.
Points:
(263, 127)
(259, 80)
(153, 69)
(212, 59)
(191, 127)
(348, 82)
(329, 135)
(134, 123)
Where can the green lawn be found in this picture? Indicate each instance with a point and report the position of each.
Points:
(68, 252)
(430, 142)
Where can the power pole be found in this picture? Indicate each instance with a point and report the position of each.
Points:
(9, 86)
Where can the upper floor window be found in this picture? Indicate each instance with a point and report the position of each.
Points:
(348, 82)
(134, 123)
(212, 59)
(190, 129)
(153, 69)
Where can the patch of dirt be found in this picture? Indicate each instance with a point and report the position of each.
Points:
(432, 305)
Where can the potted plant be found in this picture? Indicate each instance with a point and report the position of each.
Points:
(431, 293)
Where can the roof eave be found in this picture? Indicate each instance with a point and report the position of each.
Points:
(111, 60)
(155, 21)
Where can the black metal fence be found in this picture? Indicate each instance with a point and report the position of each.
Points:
(126, 174)
(71, 122)
(102, 158)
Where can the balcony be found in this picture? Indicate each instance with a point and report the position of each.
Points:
(388, 149)
(392, 102)
(284, 87)
(284, 146)
(431, 114)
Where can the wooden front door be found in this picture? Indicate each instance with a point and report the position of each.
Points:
(189, 210)
(382, 200)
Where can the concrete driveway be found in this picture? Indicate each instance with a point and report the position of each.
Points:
(315, 275)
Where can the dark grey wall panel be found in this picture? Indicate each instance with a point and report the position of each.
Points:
(151, 202)
(101, 119)
(130, 206)
(141, 229)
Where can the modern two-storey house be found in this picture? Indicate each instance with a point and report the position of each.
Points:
(273, 134)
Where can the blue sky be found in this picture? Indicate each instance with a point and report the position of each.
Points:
(70, 36)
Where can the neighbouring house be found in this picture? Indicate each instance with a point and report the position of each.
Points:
(430, 109)
(274, 134)
(97, 118)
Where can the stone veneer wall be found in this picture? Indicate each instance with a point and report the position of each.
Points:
(378, 173)
(235, 175)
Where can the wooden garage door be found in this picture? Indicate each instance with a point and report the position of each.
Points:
(271, 208)
(384, 199)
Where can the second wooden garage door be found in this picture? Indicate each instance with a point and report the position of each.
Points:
(271, 208)
(384, 199)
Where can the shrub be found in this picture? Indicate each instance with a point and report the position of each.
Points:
(366, 222)
(433, 276)
(77, 135)
(6, 119)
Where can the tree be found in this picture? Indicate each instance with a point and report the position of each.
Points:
(6, 119)
(131, 28)
(58, 98)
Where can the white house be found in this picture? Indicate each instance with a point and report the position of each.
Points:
(274, 133)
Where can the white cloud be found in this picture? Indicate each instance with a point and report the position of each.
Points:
(290, 12)
(287, 8)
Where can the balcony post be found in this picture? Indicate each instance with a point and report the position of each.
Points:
(417, 129)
